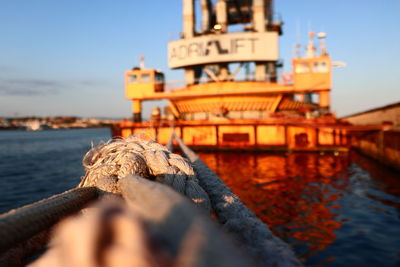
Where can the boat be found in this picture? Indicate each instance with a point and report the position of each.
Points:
(215, 110)
(235, 97)
(218, 108)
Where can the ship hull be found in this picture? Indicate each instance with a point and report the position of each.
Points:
(252, 135)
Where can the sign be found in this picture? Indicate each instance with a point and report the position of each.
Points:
(218, 48)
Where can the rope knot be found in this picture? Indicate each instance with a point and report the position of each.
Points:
(109, 162)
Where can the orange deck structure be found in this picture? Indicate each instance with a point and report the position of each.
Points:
(273, 135)
(219, 108)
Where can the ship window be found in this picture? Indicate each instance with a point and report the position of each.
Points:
(323, 66)
(302, 67)
(132, 78)
(145, 78)
(316, 67)
(320, 66)
(159, 78)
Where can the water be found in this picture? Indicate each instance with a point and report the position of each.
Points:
(339, 210)
(36, 165)
(333, 210)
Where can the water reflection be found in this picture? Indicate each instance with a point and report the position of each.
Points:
(307, 198)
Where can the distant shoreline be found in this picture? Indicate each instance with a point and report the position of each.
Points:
(53, 123)
(53, 129)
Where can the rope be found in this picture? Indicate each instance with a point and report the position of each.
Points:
(175, 219)
(153, 226)
(237, 219)
(20, 224)
(18, 255)
(170, 144)
(109, 162)
(158, 213)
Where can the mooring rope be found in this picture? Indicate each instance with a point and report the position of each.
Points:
(170, 144)
(21, 224)
(239, 220)
(109, 162)
(185, 230)
(140, 171)
(151, 226)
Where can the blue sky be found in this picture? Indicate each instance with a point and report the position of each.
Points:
(68, 57)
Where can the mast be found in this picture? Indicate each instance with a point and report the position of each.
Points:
(188, 33)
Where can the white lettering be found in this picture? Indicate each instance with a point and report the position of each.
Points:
(223, 48)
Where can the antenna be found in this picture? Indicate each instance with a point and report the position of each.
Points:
(322, 37)
(310, 46)
(297, 46)
(141, 64)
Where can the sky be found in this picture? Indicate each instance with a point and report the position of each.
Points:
(67, 58)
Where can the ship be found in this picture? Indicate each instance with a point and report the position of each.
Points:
(235, 96)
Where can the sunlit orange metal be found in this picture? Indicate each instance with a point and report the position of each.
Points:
(273, 134)
(227, 114)
(140, 83)
(312, 74)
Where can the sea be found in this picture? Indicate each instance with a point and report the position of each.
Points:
(338, 209)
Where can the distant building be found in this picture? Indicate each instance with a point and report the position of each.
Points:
(4, 123)
(376, 116)
(33, 125)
